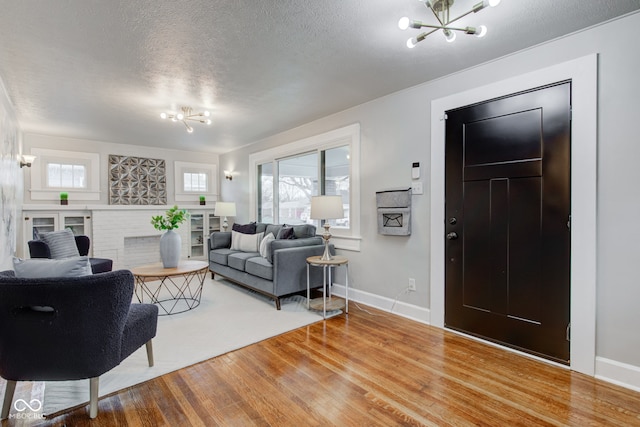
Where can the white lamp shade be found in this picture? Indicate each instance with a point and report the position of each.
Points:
(326, 207)
(225, 209)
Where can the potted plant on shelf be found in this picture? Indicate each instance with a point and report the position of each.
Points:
(170, 241)
(64, 198)
(202, 200)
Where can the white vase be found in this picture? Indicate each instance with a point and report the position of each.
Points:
(170, 247)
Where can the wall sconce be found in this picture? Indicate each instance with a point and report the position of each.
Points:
(26, 160)
(227, 175)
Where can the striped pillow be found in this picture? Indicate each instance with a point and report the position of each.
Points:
(61, 243)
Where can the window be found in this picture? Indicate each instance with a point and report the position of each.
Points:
(195, 182)
(195, 179)
(286, 177)
(55, 170)
(61, 175)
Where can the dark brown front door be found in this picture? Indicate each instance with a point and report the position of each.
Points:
(507, 210)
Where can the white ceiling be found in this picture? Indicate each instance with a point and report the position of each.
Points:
(105, 70)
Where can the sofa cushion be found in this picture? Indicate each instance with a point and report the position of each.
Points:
(304, 230)
(265, 245)
(285, 233)
(220, 256)
(61, 243)
(260, 267)
(245, 228)
(273, 229)
(42, 267)
(246, 242)
(238, 260)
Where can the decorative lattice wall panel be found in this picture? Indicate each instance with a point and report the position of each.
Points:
(137, 181)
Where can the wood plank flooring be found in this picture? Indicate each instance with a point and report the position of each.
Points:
(368, 369)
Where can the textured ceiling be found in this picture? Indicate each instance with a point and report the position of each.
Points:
(105, 70)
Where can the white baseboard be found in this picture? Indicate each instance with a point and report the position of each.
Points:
(618, 373)
(608, 370)
(410, 311)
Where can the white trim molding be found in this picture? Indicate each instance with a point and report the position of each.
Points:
(211, 195)
(39, 189)
(618, 373)
(583, 74)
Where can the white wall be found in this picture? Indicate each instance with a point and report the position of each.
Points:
(11, 182)
(396, 131)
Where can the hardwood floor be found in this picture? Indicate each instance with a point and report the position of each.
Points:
(370, 369)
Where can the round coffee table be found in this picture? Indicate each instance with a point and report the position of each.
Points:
(174, 290)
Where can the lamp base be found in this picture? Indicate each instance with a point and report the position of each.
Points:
(326, 256)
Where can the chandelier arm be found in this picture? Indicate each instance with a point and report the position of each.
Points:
(427, 4)
(445, 27)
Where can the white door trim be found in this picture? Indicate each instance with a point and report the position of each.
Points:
(583, 74)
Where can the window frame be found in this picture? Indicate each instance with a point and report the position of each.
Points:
(211, 170)
(343, 238)
(41, 191)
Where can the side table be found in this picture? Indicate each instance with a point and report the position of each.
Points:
(336, 261)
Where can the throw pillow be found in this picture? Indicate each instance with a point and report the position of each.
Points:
(245, 242)
(61, 243)
(37, 268)
(245, 228)
(286, 233)
(265, 244)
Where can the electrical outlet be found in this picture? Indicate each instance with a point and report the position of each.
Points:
(412, 284)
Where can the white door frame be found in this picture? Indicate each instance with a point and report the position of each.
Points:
(583, 74)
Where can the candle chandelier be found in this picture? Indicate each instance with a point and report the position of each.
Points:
(440, 9)
(187, 114)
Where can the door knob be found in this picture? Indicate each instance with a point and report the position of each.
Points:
(452, 236)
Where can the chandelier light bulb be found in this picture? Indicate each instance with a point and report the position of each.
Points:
(403, 23)
(179, 116)
(481, 31)
(412, 42)
(208, 121)
(494, 3)
(449, 35)
(163, 115)
(207, 114)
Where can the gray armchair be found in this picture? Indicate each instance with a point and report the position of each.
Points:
(39, 249)
(59, 329)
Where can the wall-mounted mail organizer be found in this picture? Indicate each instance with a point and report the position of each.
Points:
(394, 212)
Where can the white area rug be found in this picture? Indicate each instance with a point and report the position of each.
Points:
(228, 318)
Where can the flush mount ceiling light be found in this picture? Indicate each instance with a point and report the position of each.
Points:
(440, 9)
(187, 114)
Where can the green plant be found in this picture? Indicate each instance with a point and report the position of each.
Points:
(202, 198)
(64, 195)
(172, 219)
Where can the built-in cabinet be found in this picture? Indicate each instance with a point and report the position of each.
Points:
(201, 225)
(36, 222)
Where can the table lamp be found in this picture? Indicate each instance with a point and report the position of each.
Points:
(325, 208)
(225, 209)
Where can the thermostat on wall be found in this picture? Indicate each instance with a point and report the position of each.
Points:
(415, 170)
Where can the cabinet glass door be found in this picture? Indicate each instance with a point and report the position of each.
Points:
(214, 223)
(43, 225)
(197, 235)
(75, 224)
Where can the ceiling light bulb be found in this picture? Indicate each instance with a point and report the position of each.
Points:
(208, 121)
(179, 116)
(189, 129)
(494, 3)
(173, 119)
(449, 35)
(207, 114)
(163, 115)
(481, 31)
(403, 23)
(412, 42)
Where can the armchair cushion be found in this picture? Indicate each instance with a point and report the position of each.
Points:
(44, 267)
(61, 243)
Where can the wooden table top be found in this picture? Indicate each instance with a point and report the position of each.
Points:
(337, 260)
(157, 270)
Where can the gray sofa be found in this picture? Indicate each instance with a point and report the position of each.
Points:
(282, 272)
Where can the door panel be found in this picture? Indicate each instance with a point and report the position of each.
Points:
(508, 188)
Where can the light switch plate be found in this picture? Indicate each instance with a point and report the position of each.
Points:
(416, 187)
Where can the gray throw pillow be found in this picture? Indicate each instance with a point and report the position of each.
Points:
(62, 244)
(37, 268)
